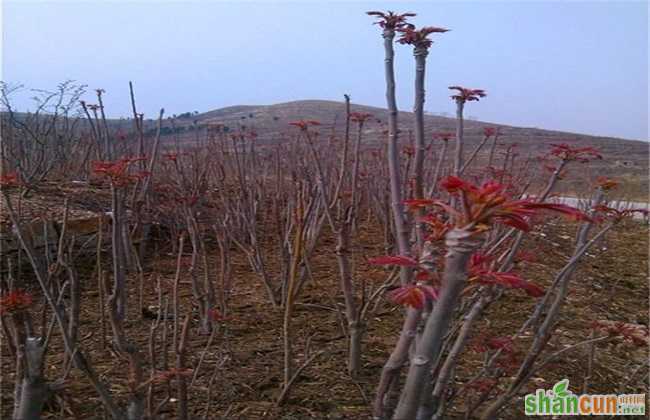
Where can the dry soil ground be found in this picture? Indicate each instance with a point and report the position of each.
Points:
(611, 284)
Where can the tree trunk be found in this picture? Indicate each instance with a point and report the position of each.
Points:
(34, 388)
(356, 330)
(432, 402)
(418, 109)
(401, 233)
(458, 157)
(436, 173)
(119, 283)
(460, 247)
(351, 312)
(382, 406)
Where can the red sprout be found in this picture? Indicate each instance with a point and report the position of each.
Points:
(606, 184)
(579, 154)
(304, 124)
(15, 301)
(466, 94)
(617, 215)
(359, 117)
(390, 20)
(418, 37)
(413, 295)
(9, 180)
(444, 136)
(489, 131)
(480, 272)
(490, 203)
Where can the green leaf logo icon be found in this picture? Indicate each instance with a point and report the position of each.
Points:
(560, 389)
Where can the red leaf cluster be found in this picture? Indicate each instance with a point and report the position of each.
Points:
(408, 150)
(304, 124)
(111, 169)
(167, 375)
(15, 301)
(489, 131)
(118, 171)
(359, 117)
(480, 271)
(214, 315)
(467, 94)
(413, 295)
(437, 228)
(490, 203)
(9, 180)
(391, 20)
(616, 214)
(636, 334)
(579, 154)
(417, 203)
(443, 136)
(606, 184)
(418, 37)
(508, 359)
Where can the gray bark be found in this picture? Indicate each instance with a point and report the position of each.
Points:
(460, 248)
(383, 405)
(458, 156)
(34, 388)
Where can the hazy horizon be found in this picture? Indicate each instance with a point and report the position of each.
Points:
(572, 66)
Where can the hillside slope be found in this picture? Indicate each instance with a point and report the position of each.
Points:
(625, 159)
(274, 118)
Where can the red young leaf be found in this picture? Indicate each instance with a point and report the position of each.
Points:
(418, 37)
(580, 154)
(391, 20)
(9, 180)
(304, 124)
(491, 203)
(413, 295)
(417, 203)
(606, 183)
(443, 136)
(359, 117)
(15, 301)
(489, 131)
(466, 94)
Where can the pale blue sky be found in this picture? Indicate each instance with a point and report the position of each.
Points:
(567, 65)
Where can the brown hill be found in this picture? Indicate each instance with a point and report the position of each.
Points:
(274, 118)
(625, 159)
